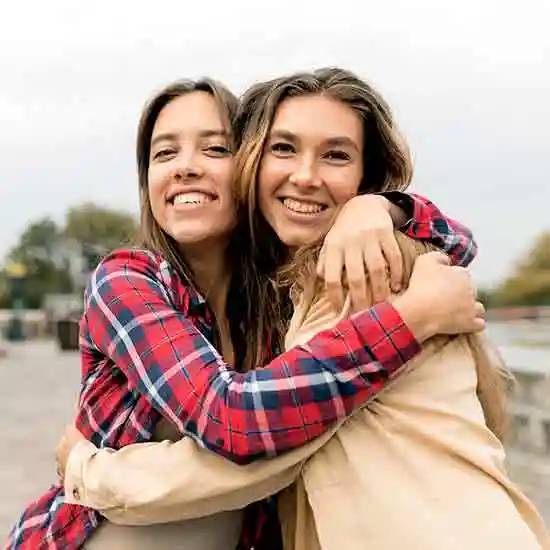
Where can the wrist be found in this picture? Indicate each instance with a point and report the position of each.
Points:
(401, 207)
(373, 198)
(416, 317)
(397, 214)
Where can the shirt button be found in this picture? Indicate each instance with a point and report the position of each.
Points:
(76, 493)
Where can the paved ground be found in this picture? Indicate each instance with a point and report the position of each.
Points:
(38, 390)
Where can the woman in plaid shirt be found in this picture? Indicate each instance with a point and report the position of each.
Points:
(147, 356)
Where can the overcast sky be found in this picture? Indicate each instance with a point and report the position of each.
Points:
(469, 82)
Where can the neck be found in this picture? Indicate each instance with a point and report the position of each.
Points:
(211, 270)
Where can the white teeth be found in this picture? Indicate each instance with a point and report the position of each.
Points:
(302, 207)
(192, 198)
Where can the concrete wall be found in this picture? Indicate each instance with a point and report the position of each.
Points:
(529, 436)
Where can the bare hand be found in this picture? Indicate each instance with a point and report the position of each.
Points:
(441, 299)
(362, 241)
(68, 440)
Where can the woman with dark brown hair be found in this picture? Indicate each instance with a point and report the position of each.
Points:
(150, 370)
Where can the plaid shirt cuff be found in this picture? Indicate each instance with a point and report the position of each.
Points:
(394, 344)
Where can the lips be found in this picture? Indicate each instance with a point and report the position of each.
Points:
(303, 207)
(192, 197)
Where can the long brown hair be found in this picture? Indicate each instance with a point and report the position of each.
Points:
(386, 161)
(494, 380)
(152, 237)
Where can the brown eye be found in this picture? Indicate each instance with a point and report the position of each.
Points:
(282, 149)
(337, 156)
(164, 154)
(218, 151)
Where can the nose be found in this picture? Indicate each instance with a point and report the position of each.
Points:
(188, 167)
(305, 174)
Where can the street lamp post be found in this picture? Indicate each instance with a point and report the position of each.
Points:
(16, 273)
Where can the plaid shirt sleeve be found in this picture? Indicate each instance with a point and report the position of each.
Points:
(427, 223)
(240, 416)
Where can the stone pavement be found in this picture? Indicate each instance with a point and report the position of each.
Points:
(38, 393)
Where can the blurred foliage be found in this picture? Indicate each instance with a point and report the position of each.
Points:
(529, 282)
(58, 258)
(485, 296)
(96, 231)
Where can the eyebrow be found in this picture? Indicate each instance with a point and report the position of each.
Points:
(332, 141)
(284, 134)
(342, 141)
(172, 136)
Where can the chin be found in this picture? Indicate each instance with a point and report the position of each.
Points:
(296, 239)
(196, 236)
(194, 233)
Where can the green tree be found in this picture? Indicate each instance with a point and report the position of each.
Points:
(95, 231)
(538, 259)
(40, 249)
(5, 300)
(485, 296)
(59, 259)
(529, 283)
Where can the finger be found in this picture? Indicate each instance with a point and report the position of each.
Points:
(466, 275)
(321, 263)
(394, 260)
(356, 276)
(480, 310)
(478, 325)
(334, 264)
(376, 268)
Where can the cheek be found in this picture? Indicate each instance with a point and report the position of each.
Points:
(222, 173)
(156, 186)
(343, 184)
(272, 173)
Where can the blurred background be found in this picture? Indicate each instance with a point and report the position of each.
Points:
(469, 83)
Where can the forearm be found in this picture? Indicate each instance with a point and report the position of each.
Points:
(421, 219)
(264, 412)
(301, 394)
(161, 482)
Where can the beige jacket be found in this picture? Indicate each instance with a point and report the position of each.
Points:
(417, 468)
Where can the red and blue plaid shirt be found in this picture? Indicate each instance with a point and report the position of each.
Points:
(146, 354)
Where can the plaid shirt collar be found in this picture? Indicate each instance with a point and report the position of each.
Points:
(193, 303)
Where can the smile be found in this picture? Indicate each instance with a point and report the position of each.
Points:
(303, 207)
(192, 198)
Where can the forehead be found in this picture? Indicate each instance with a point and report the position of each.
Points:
(319, 117)
(192, 112)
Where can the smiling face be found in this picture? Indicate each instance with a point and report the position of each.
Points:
(190, 173)
(312, 164)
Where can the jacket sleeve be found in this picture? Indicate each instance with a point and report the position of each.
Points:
(264, 412)
(426, 222)
(161, 482)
